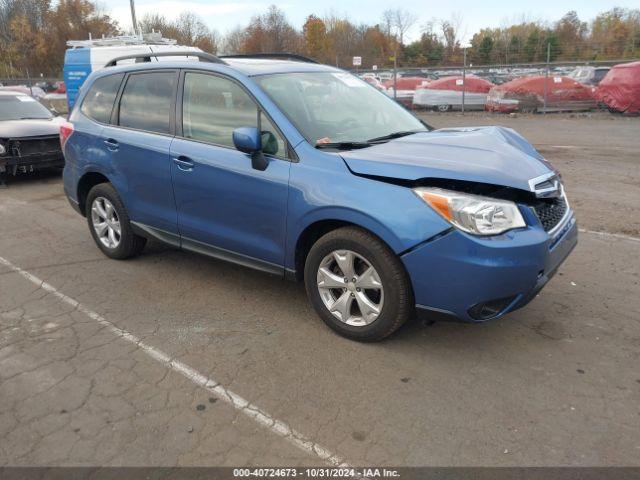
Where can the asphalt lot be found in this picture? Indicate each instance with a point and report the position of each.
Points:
(155, 364)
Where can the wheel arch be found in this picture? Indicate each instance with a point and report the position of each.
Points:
(86, 182)
(315, 229)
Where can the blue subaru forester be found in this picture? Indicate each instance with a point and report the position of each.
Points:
(307, 172)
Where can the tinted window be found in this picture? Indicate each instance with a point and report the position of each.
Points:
(99, 100)
(599, 75)
(214, 107)
(146, 101)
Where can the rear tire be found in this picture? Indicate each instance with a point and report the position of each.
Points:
(359, 313)
(110, 225)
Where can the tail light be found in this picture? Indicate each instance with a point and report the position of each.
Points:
(66, 129)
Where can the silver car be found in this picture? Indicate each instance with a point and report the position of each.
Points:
(29, 135)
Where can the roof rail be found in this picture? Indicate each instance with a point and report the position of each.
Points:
(284, 56)
(146, 57)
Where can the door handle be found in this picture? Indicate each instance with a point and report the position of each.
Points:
(111, 144)
(184, 163)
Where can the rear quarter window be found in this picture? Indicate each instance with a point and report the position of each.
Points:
(98, 103)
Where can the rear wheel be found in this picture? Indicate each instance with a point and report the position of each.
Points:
(110, 225)
(357, 285)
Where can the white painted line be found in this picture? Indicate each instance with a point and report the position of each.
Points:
(276, 426)
(612, 235)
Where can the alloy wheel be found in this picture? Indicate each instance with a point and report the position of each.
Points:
(350, 288)
(106, 223)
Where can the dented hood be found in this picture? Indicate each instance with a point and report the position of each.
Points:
(494, 155)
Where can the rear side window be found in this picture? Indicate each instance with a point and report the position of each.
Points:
(146, 102)
(98, 103)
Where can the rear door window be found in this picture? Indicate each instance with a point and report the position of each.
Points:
(146, 102)
(98, 103)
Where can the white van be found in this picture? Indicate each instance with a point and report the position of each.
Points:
(85, 56)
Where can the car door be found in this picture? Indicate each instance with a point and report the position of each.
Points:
(226, 208)
(139, 144)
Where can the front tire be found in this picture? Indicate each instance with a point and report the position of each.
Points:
(110, 225)
(357, 285)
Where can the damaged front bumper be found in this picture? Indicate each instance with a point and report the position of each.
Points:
(27, 154)
(29, 163)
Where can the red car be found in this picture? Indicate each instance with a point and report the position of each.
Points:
(527, 94)
(405, 88)
(619, 90)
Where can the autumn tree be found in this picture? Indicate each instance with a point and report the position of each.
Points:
(33, 36)
(314, 32)
(270, 32)
(615, 34)
(34, 32)
(571, 33)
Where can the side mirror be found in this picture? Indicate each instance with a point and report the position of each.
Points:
(249, 140)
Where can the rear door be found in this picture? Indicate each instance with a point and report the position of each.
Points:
(225, 207)
(139, 142)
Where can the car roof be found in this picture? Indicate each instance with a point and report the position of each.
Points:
(264, 66)
(12, 93)
(247, 66)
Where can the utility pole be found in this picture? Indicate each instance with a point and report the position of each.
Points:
(395, 75)
(546, 79)
(464, 76)
(133, 17)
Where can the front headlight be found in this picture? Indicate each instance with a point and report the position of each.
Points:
(473, 213)
(3, 150)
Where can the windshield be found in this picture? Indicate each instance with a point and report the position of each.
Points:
(337, 107)
(18, 107)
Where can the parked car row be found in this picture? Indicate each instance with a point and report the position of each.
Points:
(586, 88)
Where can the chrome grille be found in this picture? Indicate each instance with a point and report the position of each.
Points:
(550, 212)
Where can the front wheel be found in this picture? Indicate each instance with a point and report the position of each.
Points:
(357, 285)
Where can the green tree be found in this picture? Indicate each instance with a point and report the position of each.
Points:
(484, 50)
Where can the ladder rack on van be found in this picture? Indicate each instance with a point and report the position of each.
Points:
(122, 40)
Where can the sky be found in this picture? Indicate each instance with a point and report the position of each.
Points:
(473, 14)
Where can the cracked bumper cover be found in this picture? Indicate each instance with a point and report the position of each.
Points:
(457, 272)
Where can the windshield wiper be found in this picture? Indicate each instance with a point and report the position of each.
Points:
(344, 145)
(393, 135)
(33, 118)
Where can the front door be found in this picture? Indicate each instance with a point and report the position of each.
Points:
(225, 207)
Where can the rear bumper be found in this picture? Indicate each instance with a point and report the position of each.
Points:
(474, 279)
